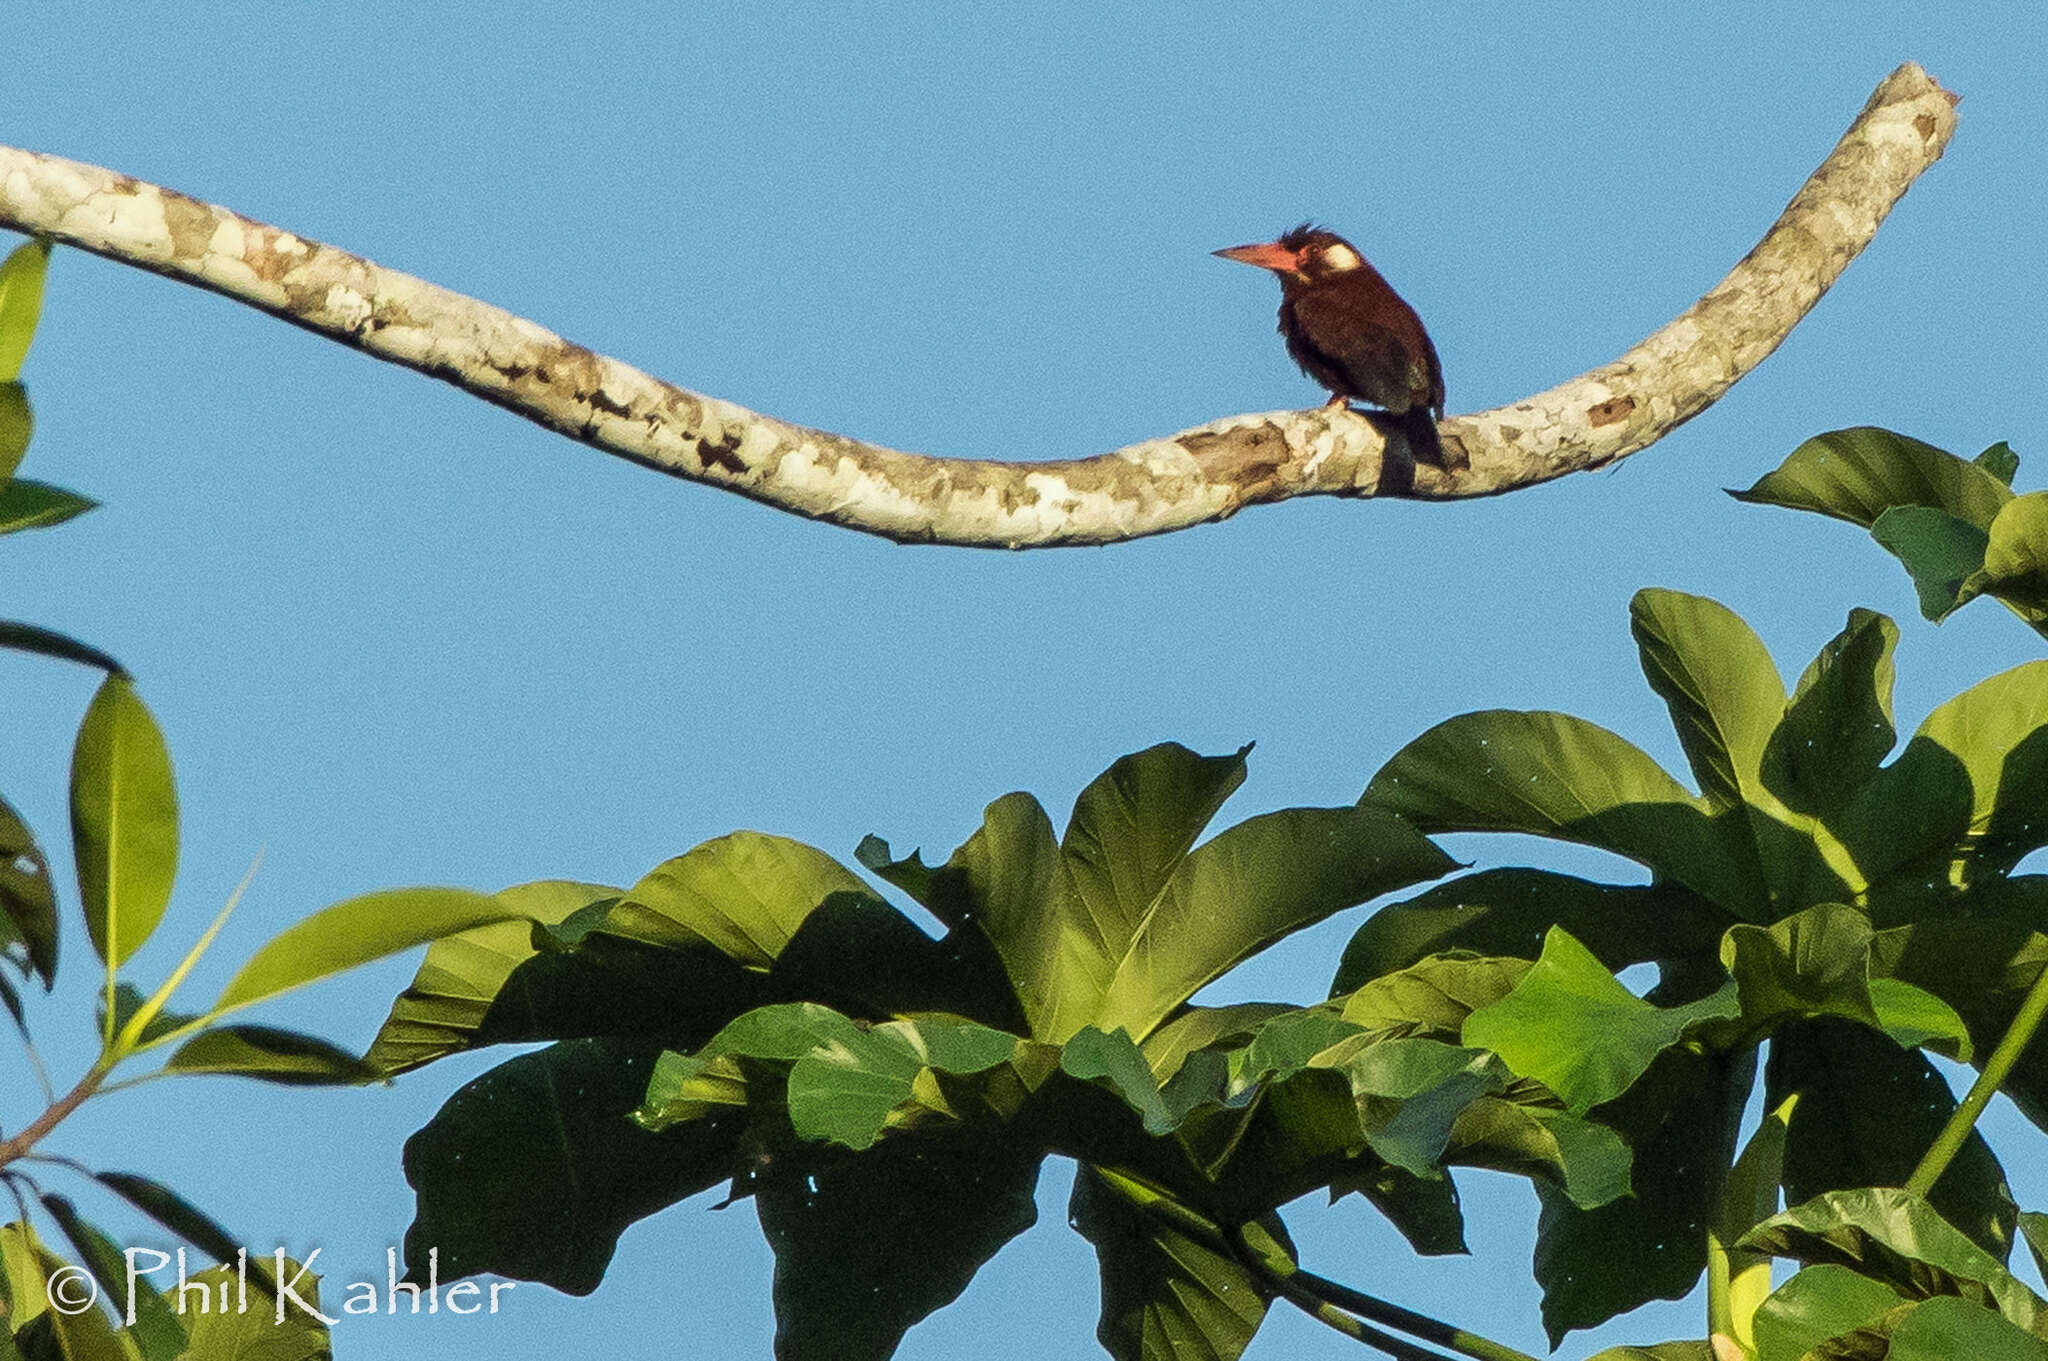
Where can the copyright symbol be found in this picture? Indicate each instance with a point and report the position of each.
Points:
(71, 1290)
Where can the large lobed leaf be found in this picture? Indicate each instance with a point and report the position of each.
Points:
(1859, 473)
(1552, 775)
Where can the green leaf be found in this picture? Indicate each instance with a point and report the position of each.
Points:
(2034, 1228)
(1690, 1349)
(744, 894)
(868, 1244)
(1195, 1028)
(849, 1093)
(1112, 1060)
(1681, 1118)
(1132, 825)
(1552, 775)
(354, 932)
(1433, 997)
(1251, 885)
(939, 889)
(28, 504)
(2015, 566)
(1998, 729)
(2000, 461)
(27, 899)
(1894, 1236)
(272, 1055)
(445, 1005)
(1817, 963)
(1508, 912)
(184, 1219)
(21, 303)
(1983, 969)
(156, 1331)
(1943, 1329)
(1720, 684)
(1165, 1295)
(1818, 1303)
(1424, 1209)
(17, 427)
(255, 1333)
(1572, 1026)
(1412, 1092)
(1057, 958)
(1867, 1112)
(124, 820)
(1939, 551)
(1857, 474)
(1584, 1163)
(533, 1170)
(49, 643)
(863, 957)
(1839, 727)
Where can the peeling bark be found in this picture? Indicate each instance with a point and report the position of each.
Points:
(1165, 484)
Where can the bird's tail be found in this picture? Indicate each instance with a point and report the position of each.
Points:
(1418, 426)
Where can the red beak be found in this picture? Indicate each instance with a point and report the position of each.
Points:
(1267, 255)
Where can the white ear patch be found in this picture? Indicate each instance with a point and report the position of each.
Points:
(1340, 257)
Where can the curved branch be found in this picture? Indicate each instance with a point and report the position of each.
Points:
(1202, 474)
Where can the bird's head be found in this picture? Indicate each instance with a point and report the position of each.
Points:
(1306, 255)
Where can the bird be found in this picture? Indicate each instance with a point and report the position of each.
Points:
(1351, 332)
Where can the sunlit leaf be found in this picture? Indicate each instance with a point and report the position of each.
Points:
(1944, 1329)
(744, 894)
(1817, 1303)
(1896, 1237)
(255, 1333)
(1251, 885)
(21, 303)
(1859, 473)
(443, 1007)
(1571, 1025)
(2015, 566)
(17, 426)
(355, 932)
(124, 820)
(1134, 822)
(1552, 775)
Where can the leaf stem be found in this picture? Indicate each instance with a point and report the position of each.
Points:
(1963, 1119)
(21, 1143)
(1326, 1301)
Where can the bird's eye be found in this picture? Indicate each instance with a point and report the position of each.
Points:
(1339, 257)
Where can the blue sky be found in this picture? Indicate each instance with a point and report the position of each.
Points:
(397, 636)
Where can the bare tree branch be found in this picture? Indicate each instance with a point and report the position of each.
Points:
(1165, 484)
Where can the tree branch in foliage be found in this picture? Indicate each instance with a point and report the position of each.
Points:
(1198, 475)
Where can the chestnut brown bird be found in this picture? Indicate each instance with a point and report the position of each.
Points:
(1352, 333)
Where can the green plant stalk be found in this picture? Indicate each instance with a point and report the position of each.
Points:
(129, 1040)
(1322, 1299)
(1949, 1142)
